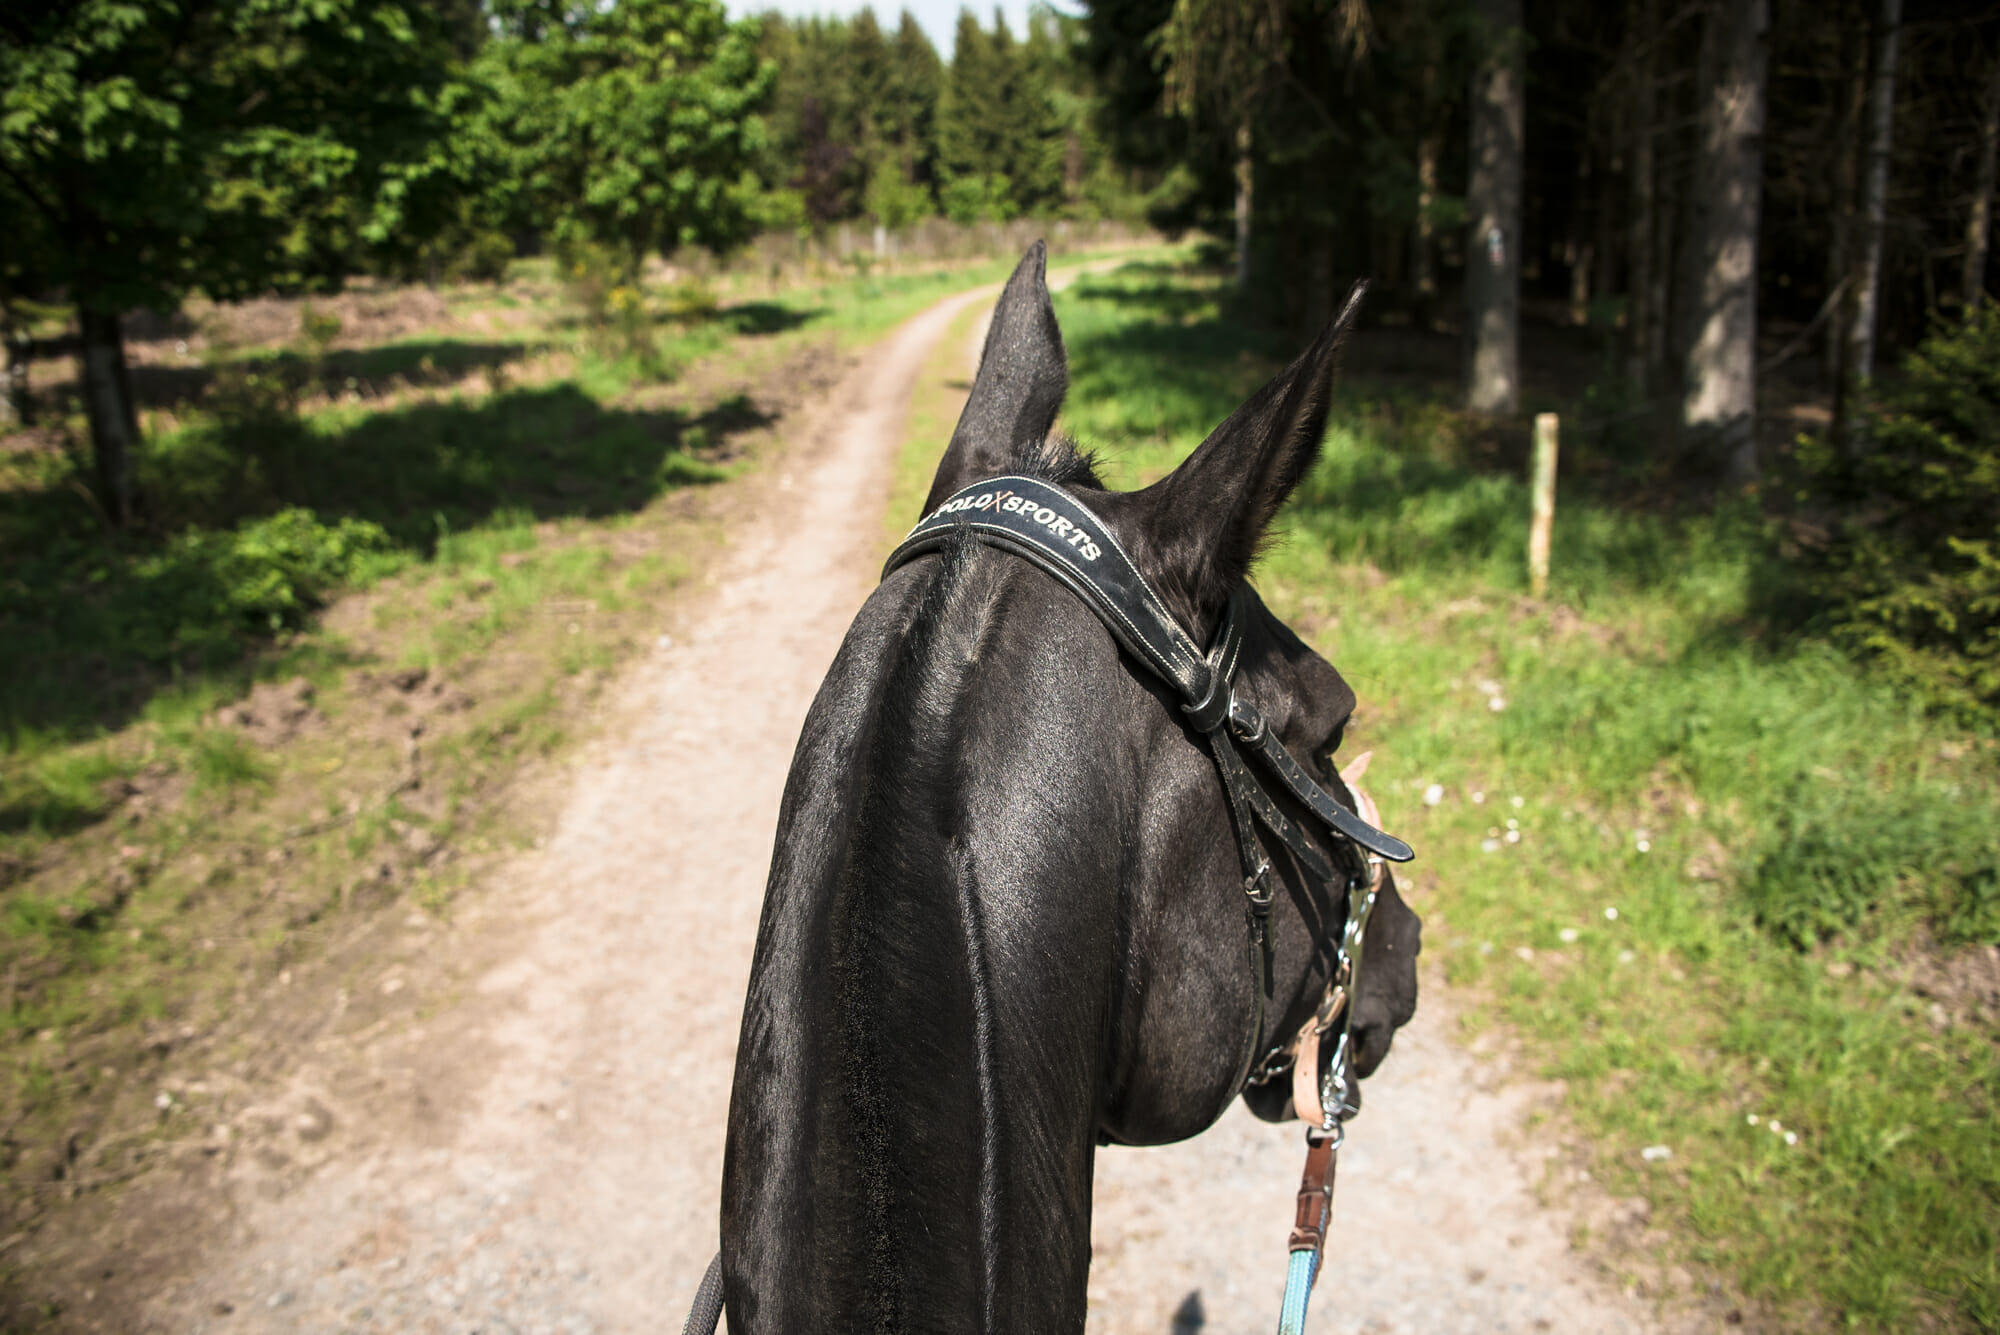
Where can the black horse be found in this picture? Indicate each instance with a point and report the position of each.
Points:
(1005, 919)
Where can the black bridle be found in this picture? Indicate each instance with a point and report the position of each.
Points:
(1056, 532)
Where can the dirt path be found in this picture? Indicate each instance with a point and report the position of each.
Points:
(538, 1148)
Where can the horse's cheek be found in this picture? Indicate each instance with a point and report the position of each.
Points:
(1388, 994)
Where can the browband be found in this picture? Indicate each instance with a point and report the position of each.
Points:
(1053, 530)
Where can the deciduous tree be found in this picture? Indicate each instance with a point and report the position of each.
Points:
(630, 124)
(1493, 201)
(239, 146)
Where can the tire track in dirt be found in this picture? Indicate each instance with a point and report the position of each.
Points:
(549, 1159)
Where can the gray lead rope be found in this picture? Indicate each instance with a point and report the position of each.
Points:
(706, 1313)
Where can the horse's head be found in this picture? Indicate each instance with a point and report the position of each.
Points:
(1007, 916)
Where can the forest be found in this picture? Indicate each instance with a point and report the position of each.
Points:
(383, 379)
(1744, 207)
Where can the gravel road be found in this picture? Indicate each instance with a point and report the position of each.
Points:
(540, 1149)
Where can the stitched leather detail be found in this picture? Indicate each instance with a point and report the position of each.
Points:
(1279, 761)
(1237, 776)
(1315, 1198)
(1111, 583)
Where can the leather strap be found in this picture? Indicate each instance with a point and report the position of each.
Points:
(1057, 532)
(1315, 1196)
(1248, 725)
(1053, 530)
(1236, 777)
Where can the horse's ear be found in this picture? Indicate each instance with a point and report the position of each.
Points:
(1023, 375)
(1204, 520)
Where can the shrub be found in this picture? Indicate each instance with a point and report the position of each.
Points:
(1833, 859)
(207, 590)
(1912, 577)
(267, 574)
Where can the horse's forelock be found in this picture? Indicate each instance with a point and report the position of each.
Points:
(1057, 459)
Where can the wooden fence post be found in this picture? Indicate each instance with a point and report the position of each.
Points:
(1543, 519)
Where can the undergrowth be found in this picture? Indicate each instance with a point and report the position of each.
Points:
(1908, 572)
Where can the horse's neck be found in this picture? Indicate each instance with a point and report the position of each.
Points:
(912, 1129)
(953, 979)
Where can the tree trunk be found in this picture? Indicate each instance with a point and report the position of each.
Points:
(1719, 406)
(1846, 191)
(1875, 195)
(1580, 254)
(1604, 278)
(107, 398)
(1644, 369)
(1423, 257)
(1972, 285)
(1493, 199)
(1245, 183)
(1430, 146)
(17, 406)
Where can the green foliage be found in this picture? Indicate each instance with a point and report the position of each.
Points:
(265, 575)
(1836, 856)
(975, 199)
(999, 127)
(627, 126)
(237, 146)
(779, 210)
(870, 125)
(191, 600)
(1912, 577)
(220, 758)
(852, 117)
(893, 200)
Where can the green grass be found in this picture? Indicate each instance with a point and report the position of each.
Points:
(1684, 860)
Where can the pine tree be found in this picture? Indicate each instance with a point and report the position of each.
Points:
(977, 113)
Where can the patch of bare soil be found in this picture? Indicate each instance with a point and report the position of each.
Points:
(1959, 986)
(273, 713)
(369, 316)
(1460, 1207)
